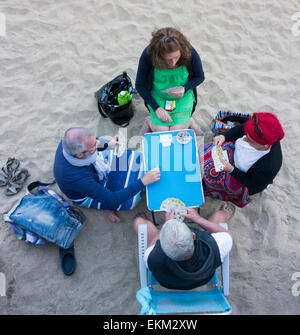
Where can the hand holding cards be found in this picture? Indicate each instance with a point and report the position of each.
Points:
(217, 154)
(122, 143)
(177, 205)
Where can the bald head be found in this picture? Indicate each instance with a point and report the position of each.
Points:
(74, 138)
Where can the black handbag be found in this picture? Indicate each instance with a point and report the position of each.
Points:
(107, 99)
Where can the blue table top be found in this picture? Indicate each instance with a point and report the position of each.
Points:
(179, 167)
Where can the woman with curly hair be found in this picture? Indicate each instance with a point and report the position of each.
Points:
(169, 70)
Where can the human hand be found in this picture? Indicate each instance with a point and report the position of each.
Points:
(170, 215)
(191, 214)
(151, 176)
(177, 91)
(163, 115)
(113, 142)
(227, 166)
(219, 140)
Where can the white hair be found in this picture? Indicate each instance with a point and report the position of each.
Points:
(176, 240)
(73, 140)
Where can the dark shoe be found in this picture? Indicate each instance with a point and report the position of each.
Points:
(67, 260)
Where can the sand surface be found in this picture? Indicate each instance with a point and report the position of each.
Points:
(56, 54)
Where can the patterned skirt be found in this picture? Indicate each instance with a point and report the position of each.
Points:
(222, 185)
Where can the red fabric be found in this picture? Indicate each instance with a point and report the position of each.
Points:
(222, 185)
(270, 127)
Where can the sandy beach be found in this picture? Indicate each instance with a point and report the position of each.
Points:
(56, 54)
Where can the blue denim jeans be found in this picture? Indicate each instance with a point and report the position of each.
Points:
(45, 216)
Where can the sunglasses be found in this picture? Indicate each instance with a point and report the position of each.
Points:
(257, 128)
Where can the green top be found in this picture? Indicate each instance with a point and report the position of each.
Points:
(167, 78)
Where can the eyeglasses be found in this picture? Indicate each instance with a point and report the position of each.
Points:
(257, 128)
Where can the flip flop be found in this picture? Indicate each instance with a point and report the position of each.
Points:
(3, 178)
(11, 167)
(17, 182)
(67, 260)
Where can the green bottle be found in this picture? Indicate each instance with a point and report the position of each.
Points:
(123, 97)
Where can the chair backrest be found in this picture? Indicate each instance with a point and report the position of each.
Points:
(142, 245)
(210, 301)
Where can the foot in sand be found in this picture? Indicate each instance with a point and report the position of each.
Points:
(194, 126)
(140, 214)
(146, 127)
(113, 217)
(223, 214)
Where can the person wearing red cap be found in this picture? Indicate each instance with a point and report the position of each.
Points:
(255, 158)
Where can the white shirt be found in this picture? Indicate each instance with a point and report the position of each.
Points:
(223, 240)
(245, 155)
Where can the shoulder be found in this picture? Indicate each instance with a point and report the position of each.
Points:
(59, 158)
(194, 51)
(145, 55)
(194, 54)
(276, 148)
(224, 242)
(273, 160)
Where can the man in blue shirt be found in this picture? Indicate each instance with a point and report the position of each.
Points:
(96, 178)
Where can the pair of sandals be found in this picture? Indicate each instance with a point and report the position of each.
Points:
(12, 177)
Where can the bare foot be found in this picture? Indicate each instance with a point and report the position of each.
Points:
(146, 127)
(223, 214)
(194, 126)
(141, 214)
(228, 210)
(113, 217)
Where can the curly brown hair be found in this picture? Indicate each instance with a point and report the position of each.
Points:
(167, 40)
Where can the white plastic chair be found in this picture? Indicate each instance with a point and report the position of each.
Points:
(208, 301)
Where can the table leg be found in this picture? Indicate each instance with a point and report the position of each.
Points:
(153, 218)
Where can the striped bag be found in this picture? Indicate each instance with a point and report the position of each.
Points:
(226, 119)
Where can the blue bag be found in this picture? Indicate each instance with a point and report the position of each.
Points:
(44, 216)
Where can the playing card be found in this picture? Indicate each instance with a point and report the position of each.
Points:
(177, 205)
(122, 146)
(216, 154)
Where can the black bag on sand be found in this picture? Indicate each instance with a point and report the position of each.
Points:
(107, 99)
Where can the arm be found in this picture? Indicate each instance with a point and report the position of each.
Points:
(144, 79)
(90, 187)
(209, 226)
(230, 135)
(197, 71)
(234, 133)
(257, 177)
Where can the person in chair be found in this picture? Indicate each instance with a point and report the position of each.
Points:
(184, 258)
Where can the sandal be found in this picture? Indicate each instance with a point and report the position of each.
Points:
(11, 167)
(17, 182)
(4, 179)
